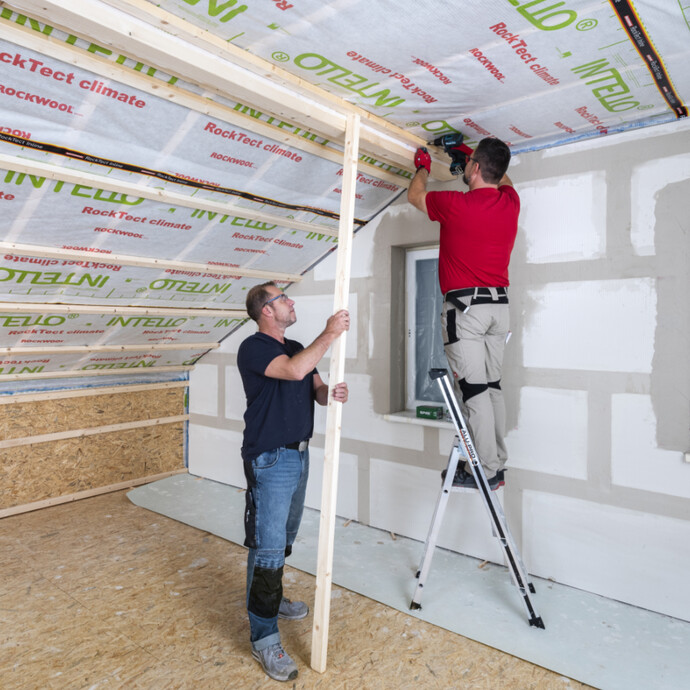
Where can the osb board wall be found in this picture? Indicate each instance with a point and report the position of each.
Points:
(19, 420)
(35, 472)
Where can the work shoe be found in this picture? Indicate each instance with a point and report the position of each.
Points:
(500, 475)
(292, 610)
(465, 480)
(276, 663)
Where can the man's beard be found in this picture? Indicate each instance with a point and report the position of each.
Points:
(289, 320)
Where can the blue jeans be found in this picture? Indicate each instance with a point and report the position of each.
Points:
(276, 485)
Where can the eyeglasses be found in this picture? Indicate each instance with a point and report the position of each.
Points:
(281, 296)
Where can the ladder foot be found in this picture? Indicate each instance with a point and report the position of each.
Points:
(414, 606)
(537, 622)
(531, 588)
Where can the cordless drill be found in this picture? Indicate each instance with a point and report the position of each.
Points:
(459, 152)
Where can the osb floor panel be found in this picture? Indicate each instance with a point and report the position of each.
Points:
(101, 593)
(589, 638)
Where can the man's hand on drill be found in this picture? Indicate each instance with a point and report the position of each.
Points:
(422, 159)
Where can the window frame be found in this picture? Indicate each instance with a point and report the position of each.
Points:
(412, 255)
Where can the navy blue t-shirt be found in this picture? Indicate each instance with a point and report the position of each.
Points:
(278, 411)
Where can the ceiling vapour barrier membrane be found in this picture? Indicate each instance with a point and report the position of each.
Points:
(142, 174)
(534, 73)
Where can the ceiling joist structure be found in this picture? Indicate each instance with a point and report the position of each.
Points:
(164, 41)
(195, 147)
(227, 93)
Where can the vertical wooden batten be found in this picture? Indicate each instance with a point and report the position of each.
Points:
(324, 567)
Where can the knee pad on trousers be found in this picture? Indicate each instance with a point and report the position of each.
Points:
(451, 327)
(266, 591)
(495, 384)
(469, 390)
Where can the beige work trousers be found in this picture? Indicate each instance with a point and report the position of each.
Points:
(475, 360)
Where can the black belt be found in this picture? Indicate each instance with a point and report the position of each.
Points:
(480, 292)
(298, 445)
(479, 295)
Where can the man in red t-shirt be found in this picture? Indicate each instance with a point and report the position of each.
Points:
(478, 230)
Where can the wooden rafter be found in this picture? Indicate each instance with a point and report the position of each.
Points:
(64, 174)
(79, 373)
(228, 72)
(48, 308)
(107, 69)
(76, 349)
(143, 262)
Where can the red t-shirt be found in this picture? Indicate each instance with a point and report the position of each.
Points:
(478, 230)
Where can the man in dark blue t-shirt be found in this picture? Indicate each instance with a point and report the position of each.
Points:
(281, 384)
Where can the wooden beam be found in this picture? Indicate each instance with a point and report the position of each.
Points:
(201, 63)
(48, 308)
(79, 373)
(378, 136)
(204, 39)
(93, 431)
(54, 172)
(82, 392)
(324, 566)
(108, 69)
(74, 349)
(111, 28)
(68, 498)
(142, 262)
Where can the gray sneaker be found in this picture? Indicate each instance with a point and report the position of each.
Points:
(275, 661)
(292, 610)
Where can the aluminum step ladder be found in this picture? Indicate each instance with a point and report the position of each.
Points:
(464, 448)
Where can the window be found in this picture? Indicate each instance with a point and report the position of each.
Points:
(423, 327)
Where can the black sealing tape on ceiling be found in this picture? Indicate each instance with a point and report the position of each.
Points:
(97, 160)
(633, 26)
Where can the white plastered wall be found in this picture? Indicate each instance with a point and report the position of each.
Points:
(596, 377)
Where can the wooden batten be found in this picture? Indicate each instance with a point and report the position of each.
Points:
(109, 70)
(163, 196)
(34, 308)
(37, 505)
(324, 565)
(226, 74)
(260, 67)
(82, 433)
(79, 373)
(72, 349)
(142, 82)
(378, 136)
(142, 262)
(87, 392)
